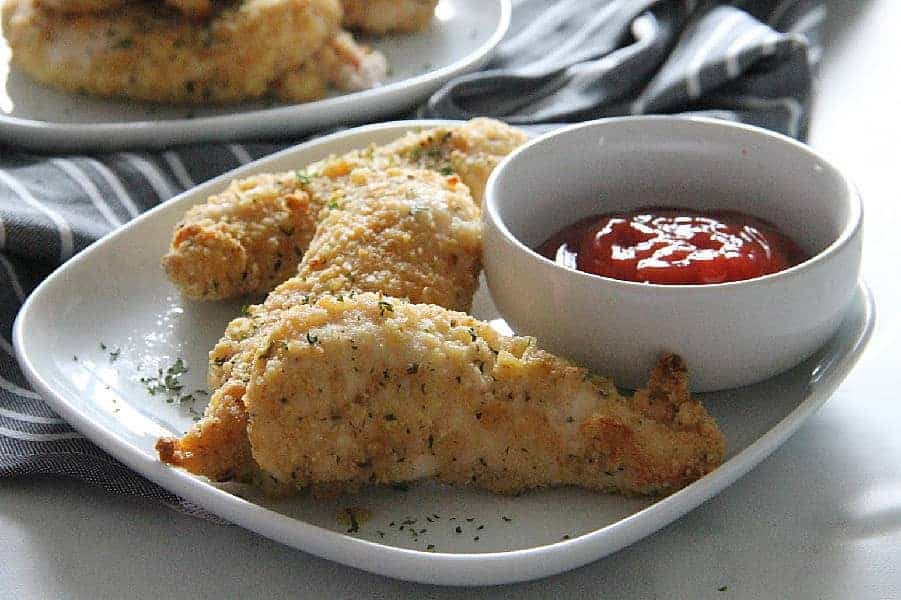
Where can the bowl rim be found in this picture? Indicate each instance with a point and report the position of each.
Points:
(849, 232)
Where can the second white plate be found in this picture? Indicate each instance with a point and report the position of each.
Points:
(461, 38)
(93, 333)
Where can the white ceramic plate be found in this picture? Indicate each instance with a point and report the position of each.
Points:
(461, 38)
(115, 294)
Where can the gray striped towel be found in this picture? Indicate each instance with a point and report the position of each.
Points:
(571, 60)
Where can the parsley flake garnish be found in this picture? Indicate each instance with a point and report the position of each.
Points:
(167, 383)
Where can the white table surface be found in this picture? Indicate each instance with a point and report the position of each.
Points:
(821, 518)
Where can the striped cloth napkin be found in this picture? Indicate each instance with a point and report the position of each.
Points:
(571, 60)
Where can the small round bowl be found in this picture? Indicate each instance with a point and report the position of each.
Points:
(730, 334)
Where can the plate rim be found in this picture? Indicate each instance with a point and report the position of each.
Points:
(413, 565)
(47, 135)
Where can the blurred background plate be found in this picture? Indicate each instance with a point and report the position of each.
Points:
(461, 38)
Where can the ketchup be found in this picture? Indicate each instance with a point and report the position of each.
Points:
(673, 246)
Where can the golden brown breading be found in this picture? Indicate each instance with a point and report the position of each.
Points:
(251, 237)
(144, 51)
(74, 7)
(372, 389)
(383, 16)
(371, 16)
(407, 233)
(193, 9)
(410, 233)
(341, 63)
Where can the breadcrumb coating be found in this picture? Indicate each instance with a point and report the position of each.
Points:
(369, 389)
(341, 63)
(410, 233)
(74, 7)
(384, 16)
(251, 237)
(371, 16)
(146, 51)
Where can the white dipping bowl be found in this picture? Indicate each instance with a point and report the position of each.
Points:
(730, 334)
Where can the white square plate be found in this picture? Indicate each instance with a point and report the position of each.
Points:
(115, 294)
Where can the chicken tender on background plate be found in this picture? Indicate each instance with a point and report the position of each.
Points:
(74, 7)
(144, 51)
(383, 16)
(371, 16)
(251, 237)
(411, 233)
(341, 63)
(193, 9)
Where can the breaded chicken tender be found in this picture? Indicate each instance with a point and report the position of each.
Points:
(383, 16)
(410, 233)
(144, 51)
(378, 390)
(251, 237)
(341, 63)
(346, 392)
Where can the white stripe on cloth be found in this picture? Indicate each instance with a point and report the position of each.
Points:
(12, 388)
(66, 238)
(152, 174)
(30, 418)
(39, 437)
(810, 20)
(113, 181)
(693, 79)
(85, 183)
(240, 153)
(741, 43)
(178, 167)
(9, 386)
(575, 42)
(13, 278)
(806, 23)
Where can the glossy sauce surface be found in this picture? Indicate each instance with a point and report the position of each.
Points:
(673, 246)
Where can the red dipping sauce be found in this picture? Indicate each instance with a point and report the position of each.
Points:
(673, 246)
